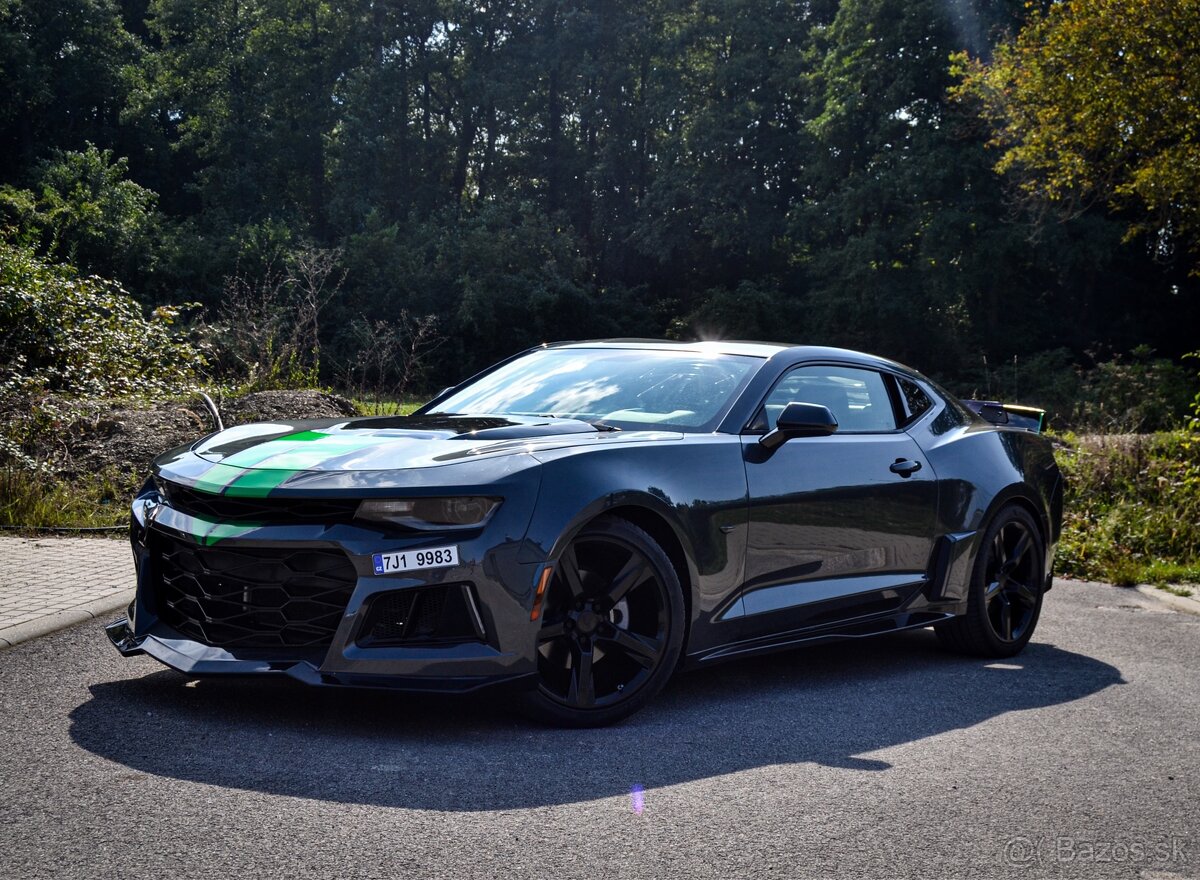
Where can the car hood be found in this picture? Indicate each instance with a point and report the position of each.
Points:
(270, 453)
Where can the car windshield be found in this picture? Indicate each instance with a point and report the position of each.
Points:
(622, 388)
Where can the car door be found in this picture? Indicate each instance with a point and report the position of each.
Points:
(840, 526)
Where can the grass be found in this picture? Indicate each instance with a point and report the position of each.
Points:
(387, 407)
(1175, 591)
(1132, 508)
(31, 502)
(1163, 574)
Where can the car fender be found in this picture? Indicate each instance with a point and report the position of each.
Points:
(706, 515)
(1025, 474)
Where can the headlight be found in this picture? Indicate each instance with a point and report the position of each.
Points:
(430, 513)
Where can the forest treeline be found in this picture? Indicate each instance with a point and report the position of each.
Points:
(451, 180)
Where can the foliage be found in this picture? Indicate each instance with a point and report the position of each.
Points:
(1138, 392)
(1091, 102)
(529, 171)
(500, 280)
(390, 359)
(83, 210)
(268, 331)
(1132, 507)
(65, 72)
(85, 335)
(95, 501)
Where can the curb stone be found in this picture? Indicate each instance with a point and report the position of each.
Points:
(1186, 604)
(42, 626)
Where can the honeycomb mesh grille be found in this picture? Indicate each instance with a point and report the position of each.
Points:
(237, 597)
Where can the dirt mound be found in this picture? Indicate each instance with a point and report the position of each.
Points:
(128, 438)
(271, 406)
(79, 437)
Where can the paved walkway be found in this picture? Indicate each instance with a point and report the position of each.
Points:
(49, 583)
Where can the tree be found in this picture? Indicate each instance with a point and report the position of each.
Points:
(901, 227)
(205, 86)
(63, 66)
(83, 209)
(1099, 101)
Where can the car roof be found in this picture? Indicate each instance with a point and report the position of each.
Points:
(792, 353)
(753, 349)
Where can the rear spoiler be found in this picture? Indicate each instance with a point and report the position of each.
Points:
(1028, 417)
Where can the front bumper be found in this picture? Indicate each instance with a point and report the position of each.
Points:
(500, 569)
(196, 659)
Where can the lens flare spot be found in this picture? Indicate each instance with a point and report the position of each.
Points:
(637, 799)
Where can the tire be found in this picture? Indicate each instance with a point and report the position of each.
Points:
(1004, 598)
(612, 627)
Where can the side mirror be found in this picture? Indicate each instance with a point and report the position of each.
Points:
(800, 420)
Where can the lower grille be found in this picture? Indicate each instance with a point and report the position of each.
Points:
(232, 597)
(429, 615)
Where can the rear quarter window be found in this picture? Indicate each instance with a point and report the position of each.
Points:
(913, 400)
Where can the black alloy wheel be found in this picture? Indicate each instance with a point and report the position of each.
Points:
(1011, 591)
(1005, 597)
(612, 627)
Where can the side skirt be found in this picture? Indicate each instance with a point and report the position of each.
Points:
(797, 638)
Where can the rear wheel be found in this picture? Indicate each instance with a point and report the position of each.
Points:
(612, 627)
(1005, 595)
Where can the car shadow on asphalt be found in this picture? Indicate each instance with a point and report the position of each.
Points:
(833, 705)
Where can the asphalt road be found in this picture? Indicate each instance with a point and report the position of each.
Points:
(884, 758)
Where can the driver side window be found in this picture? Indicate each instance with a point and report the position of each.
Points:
(857, 398)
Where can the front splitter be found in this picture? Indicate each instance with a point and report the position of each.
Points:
(194, 659)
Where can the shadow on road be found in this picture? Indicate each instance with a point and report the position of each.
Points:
(831, 705)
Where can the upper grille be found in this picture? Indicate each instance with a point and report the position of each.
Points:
(262, 511)
(237, 597)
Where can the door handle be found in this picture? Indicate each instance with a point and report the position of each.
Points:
(905, 467)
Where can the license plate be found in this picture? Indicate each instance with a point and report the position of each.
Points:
(411, 560)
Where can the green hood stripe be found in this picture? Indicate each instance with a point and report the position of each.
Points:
(217, 477)
(271, 472)
(221, 531)
(254, 472)
(221, 474)
(313, 450)
(256, 454)
(208, 533)
(257, 483)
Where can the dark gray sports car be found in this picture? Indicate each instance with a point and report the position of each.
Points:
(582, 519)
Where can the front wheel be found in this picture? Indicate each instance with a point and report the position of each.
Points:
(612, 627)
(1005, 595)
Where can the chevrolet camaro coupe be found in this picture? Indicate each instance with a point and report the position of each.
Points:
(579, 521)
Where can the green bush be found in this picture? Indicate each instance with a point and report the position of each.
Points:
(1134, 392)
(82, 209)
(85, 336)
